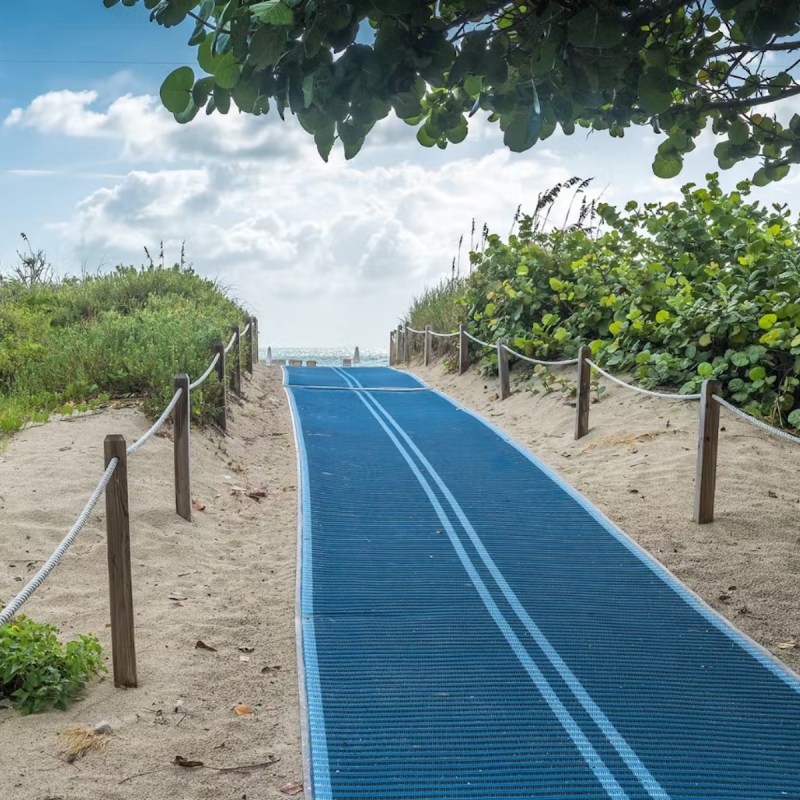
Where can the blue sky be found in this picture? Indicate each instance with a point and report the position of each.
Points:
(93, 170)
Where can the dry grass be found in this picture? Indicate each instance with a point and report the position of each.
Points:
(75, 743)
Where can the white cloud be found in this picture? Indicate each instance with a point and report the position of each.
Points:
(322, 253)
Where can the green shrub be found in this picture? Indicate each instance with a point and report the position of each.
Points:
(37, 671)
(68, 346)
(674, 293)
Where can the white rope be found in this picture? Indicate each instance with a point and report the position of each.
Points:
(476, 339)
(771, 430)
(539, 361)
(663, 395)
(206, 373)
(139, 443)
(413, 330)
(246, 328)
(36, 581)
(230, 343)
(444, 335)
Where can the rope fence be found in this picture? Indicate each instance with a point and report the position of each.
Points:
(639, 389)
(203, 377)
(757, 423)
(38, 579)
(114, 484)
(710, 398)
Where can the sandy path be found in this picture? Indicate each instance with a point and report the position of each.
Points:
(235, 564)
(637, 465)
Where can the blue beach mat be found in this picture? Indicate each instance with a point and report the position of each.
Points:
(472, 628)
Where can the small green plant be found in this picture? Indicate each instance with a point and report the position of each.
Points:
(37, 671)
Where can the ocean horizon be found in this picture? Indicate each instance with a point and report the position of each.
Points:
(325, 356)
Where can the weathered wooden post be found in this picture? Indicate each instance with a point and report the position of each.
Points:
(220, 417)
(705, 482)
(502, 369)
(180, 433)
(120, 590)
(254, 328)
(583, 397)
(357, 356)
(236, 365)
(269, 355)
(392, 358)
(399, 345)
(426, 352)
(463, 349)
(248, 343)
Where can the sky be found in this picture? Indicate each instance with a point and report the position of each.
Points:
(93, 170)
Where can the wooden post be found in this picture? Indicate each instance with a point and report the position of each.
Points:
(254, 328)
(180, 434)
(705, 481)
(392, 358)
(583, 397)
(426, 352)
(236, 365)
(357, 356)
(502, 369)
(118, 537)
(463, 349)
(248, 343)
(399, 345)
(220, 417)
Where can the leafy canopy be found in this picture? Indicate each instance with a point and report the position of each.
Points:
(603, 65)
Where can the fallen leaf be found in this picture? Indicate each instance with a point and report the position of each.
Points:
(243, 711)
(292, 788)
(177, 596)
(265, 670)
(244, 658)
(197, 505)
(201, 645)
(237, 490)
(179, 603)
(789, 645)
(246, 649)
(257, 494)
(186, 762)
(770, 493)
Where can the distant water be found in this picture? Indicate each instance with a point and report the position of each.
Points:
(327, 356)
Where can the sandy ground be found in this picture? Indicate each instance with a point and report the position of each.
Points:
(235, 567)
(637, 465)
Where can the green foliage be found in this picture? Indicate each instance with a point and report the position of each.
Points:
(67, 346)
(673, 293)
(439, 306)
(37, 671)
(533, 67)
(442, 308)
